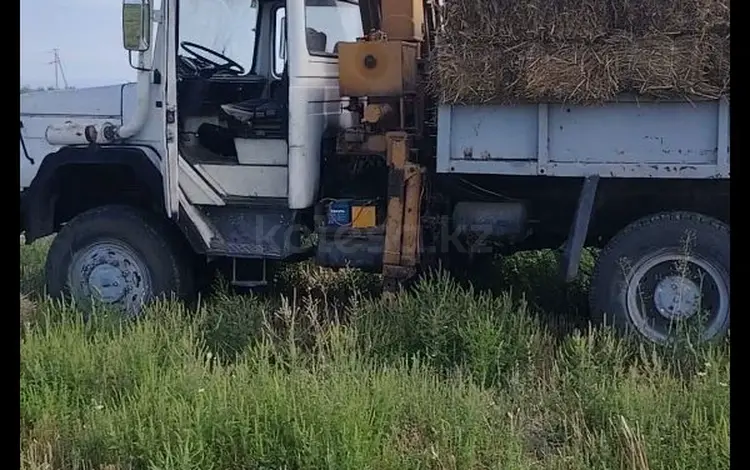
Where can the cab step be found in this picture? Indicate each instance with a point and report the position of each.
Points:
(249, 273)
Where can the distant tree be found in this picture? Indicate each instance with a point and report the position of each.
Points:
(28, 89)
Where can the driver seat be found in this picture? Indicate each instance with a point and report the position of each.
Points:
(264, 117)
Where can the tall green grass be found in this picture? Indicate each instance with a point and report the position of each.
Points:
(329, 377)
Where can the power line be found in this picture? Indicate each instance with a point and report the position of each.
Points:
(59, 71)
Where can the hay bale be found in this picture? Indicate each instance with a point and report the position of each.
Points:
(506, 51)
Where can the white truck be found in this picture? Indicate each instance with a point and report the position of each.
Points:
(245, 132)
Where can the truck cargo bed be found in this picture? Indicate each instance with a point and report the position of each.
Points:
(626, 139)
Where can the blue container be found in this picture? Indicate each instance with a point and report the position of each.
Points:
(340, 212)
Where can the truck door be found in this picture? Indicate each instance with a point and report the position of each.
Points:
(170, 162)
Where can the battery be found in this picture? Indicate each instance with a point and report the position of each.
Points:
(340, 212)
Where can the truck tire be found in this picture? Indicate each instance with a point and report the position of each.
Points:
(119, 256)
(662, 272)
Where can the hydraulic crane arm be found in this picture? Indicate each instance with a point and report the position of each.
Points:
(398, 11)
(381, 77)
(369, 11)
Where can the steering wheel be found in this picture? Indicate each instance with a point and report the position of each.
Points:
(228, 64)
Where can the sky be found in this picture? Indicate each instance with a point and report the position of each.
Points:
(88, 34)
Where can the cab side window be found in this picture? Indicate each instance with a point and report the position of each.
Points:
(330, 22)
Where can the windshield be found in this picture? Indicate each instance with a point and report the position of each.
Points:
(224, 26)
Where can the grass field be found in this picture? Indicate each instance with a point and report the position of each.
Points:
(325, 377)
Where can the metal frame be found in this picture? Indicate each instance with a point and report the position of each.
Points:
(579, 228)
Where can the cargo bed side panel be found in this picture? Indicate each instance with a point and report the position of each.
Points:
(623, 139)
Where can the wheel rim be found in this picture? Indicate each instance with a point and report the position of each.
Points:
(110, 273)
(669, 289)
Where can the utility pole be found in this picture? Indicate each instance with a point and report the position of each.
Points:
(59, 72)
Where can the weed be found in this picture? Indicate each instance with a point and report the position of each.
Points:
(440, 377)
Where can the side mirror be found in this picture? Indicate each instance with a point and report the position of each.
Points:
(136, 25)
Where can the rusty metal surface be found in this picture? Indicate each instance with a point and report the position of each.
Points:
(377, 68)
(357, 142)
(402, 19)
(412, 228)
(403, 222)
(397, 156)
(378, 112)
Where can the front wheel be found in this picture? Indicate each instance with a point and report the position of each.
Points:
(664, 272)
(117, 256)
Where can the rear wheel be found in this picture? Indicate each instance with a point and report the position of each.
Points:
(117, 256)
(664, 272)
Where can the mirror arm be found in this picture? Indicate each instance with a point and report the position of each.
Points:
(130, 61)
(157, 16)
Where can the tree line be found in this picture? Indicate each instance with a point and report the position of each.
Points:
(28, 89)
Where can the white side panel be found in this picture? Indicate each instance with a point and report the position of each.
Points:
(33, 134)
(195, 189)
(314, 106)
(622, 139)
(41, 109)
(262, 152)
(152, 132)
(198, 221)
(247, 181)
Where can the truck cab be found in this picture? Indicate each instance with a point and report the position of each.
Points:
(242, 76)
(219, 142)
